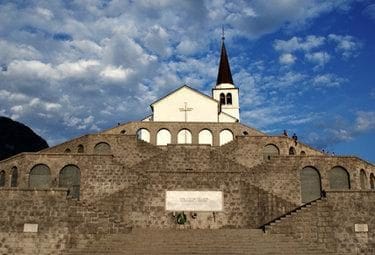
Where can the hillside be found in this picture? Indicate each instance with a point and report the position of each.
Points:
(16, 137)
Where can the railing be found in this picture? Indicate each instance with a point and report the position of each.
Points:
(263, 227)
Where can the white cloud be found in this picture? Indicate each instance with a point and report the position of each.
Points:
(296, 43)
(116, 73)
(287, 59)
(12, 51)
(18, 109)
(319, 58)
(45, 13)
(187, 47)
(157, 40)
(345, 44)
(146, 48)
(76, 68)
(365, 121)
(31, 69)
(327, 80)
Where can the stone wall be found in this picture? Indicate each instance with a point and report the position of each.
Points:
(47, 208)
(126, 188)
(131, 128)
(249, 150)
(332, 222)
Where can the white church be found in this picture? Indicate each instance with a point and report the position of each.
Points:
(188, 105)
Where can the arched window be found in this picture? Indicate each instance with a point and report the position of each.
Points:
(205, 137)
(163, 137)
(69, 177)
(226, 136)
(339, 178)
(184, 136)
(80, 149)
(2, 178)
(67, 150)
(372, 181)
(303, 153)
(123, 131)
(229, 98)
(143, 134)
(310, 184)
(14, 177)
(40, 177)
(102, 148)
(270, 150)
(222, 98)
(363, 179)
(292, 151)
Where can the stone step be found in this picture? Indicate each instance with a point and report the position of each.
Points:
(221, 241)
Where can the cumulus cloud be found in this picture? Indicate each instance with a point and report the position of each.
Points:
(287, 59)
(296, 43)
(328, 80)
(336, 129)
(347, 45)
(116, 73)
(365, 121)
(60, 60)
(316, 49)
(319, 58)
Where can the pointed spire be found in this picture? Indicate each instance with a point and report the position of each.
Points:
(224, 74)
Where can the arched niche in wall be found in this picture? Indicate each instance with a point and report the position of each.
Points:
(372, 181)
(2, 178)
(163, 137)
(80, 148)
(70, 177)
(14, 177)
(225, 136)
(339, 178)
(310, 184)
(303, 153)
(363, 179)
(102, 148)
(67, 150)
(184, 136)
(270, 150)
(205, 137)
(292, 151)
(143, 134)
(40, 176)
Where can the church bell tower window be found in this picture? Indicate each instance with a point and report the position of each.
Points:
(229, 98)
(222, 98)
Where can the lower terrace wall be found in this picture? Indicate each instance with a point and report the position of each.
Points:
(333, 221)
(47, 208)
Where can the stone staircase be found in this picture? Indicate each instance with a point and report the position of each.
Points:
(284, 217)
(198, 241)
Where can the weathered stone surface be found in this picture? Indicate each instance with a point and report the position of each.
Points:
(123, 187)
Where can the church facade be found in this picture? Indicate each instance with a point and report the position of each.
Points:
(189, 179)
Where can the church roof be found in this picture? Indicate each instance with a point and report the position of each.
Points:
(183, 86)
(224, 74)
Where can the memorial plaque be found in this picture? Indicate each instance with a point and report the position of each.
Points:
(30, 228)
(361, 227)
(199, 201)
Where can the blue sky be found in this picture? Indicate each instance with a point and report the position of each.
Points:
(76, 67)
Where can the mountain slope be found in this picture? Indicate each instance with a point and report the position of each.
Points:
(16, 137)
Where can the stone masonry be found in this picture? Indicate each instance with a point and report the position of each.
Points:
(119, 200)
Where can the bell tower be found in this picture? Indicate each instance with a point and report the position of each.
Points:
(225, 92)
